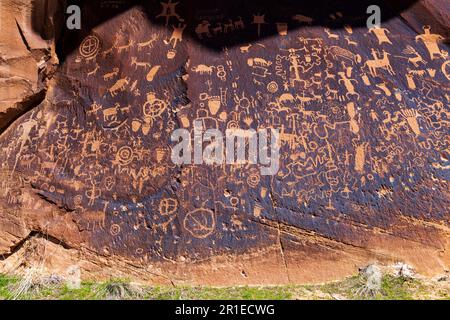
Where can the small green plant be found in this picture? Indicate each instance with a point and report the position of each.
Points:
(5, 283)
(396, 288)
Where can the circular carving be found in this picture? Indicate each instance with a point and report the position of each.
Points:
(114, 230)
(253, 180)
(154, 108)
(272, 87)
(233, 125)
(168, 206)
(89, 47)
(124, 155)
(109, 182)
(234, 201)
(200, 223)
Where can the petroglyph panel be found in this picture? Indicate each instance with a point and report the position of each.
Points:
(363, 116)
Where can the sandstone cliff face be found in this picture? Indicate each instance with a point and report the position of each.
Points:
(26, 60)
(363, 120)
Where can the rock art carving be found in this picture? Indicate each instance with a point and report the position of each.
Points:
(364, 148)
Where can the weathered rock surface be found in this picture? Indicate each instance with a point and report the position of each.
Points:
(364, 159)
(26, 60)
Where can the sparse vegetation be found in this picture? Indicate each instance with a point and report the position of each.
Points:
(118, 289)
(392, 288)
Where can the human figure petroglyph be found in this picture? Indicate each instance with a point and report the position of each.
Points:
(381, 34)
(94, 108)
(295, 67)
(348, 69)
(26, 128)
(168, 11)
(417, 57)
(348, 83)
(431, 42)
(177, 35)
(379, 63)
(93, 193)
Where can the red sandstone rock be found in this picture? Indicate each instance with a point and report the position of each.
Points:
(363, 117)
